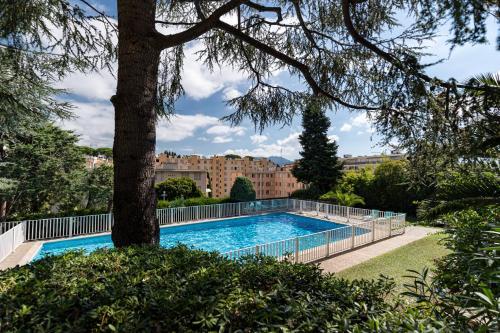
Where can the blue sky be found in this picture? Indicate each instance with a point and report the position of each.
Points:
(196, 128)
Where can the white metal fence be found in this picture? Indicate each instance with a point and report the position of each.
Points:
(60, 227)
(365, 226)
(11, 239)
(323, 244)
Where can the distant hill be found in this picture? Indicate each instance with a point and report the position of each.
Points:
(279, 160)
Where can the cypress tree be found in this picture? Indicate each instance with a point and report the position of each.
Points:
(319, 165)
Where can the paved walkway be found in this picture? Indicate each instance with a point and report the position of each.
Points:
(21, 256)
(359, 255)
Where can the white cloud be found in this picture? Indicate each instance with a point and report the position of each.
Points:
(346, 127)
(333, 137)
(223, 133)
(180, 127)
(360, 122)
(222, 139)
(94, 122)
(225, 130)
(94, 86)
(287, 147)
(230, 93)
(257, 139)
(200, 83)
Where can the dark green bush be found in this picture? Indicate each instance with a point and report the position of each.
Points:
(176, 188)
(242, 190)
(311, 193)
(180, 290)
(465, 285)
(151, 289)
(75, 212)
(192, 202)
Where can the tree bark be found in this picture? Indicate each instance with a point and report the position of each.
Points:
(135, 135)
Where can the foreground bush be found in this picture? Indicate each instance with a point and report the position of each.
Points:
(153, 289)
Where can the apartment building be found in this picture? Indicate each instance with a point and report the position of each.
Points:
(268, 179)
(92, 162)
(359, 162)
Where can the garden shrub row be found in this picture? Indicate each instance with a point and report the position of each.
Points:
(150, 289)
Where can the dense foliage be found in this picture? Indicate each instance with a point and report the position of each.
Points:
(177, 188)
(191, 202)
(318, 166)
(47, 167)
(309, 193)
(180, 290)
(465, 286)
(348, 199)
(461, 189)
(242, 190)
(386, 187)
(101, 151)
(46, 174)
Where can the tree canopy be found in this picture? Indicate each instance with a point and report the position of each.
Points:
(242, 190)
(175, 188)
(318, 165)
(352, 54)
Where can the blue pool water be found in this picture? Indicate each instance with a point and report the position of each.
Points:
(223, 235)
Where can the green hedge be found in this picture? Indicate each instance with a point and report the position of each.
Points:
(153, 289)
(191, 202)
(37, 216)
(150, 289)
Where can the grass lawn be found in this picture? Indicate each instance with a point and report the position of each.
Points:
(395, 264)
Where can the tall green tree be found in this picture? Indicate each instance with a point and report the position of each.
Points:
(99, 188)
(319, 165)
(47, 168)
(343, 51)
(242, 190)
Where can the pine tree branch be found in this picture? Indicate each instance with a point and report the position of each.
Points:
(317, 90)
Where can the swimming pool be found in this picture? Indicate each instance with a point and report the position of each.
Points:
(221, 235)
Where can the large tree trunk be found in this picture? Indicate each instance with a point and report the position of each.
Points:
(134, 143)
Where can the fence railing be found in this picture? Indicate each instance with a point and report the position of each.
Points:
(323, 244)
(11, 239)
(364, 226)
(62, 227)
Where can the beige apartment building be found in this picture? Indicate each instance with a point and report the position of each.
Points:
(359, 162)
(269, 180)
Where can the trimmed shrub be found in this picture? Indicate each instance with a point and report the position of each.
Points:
(192, 202)
(311, 193)
(175, 188)
(242, 190)
(146, 289)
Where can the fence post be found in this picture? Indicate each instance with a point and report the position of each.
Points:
(296, 249)
(13, 239)
(373, 231)
(390, 226)
(70, 232)
(218, 211)
(327, 243)
(353, 234)
(317, 208)
(348, 215)
(197, 212)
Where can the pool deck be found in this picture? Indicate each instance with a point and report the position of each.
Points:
(367, 252)
(21, 256)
